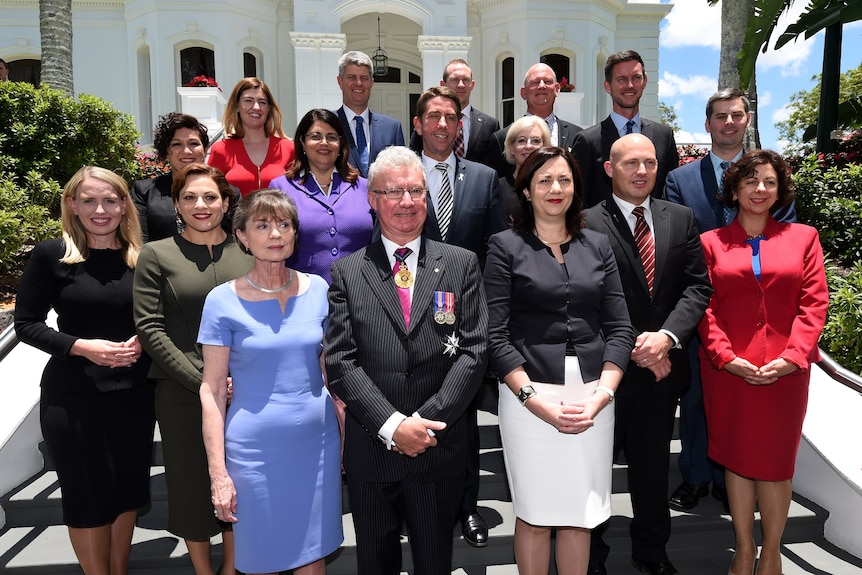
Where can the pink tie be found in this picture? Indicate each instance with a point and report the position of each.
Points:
(646, 246)
(403, 292)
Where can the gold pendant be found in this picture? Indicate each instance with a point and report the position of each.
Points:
(403, 277)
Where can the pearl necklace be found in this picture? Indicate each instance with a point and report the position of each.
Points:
(547, 243)
(271, 291)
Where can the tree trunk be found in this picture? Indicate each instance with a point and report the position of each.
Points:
(734, 23)
(55, 28)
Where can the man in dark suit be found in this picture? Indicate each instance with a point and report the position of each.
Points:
(539, 91)
(667, 289)
(625, 80)
(469, 193)
(405, 349)
(696, 185)
(368, 133)
(477, 127)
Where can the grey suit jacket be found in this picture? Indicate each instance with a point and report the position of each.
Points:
(385, 132)
(694, 185)
(378, 367)
(681, 287)
(477, 210)
(592, 148)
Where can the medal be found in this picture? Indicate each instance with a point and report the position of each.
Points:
(439, 306)
(403, 277)
(450, 308)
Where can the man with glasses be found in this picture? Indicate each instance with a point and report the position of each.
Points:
(539, 91)
(625, 81)
(368, 133)
(405, 349)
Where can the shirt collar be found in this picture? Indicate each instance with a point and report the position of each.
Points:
(620, 121)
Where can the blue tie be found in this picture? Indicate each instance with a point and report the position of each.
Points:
(630, 126)
(361, 145)
(724, 166)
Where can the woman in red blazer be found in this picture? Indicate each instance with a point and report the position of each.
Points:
(759, 336)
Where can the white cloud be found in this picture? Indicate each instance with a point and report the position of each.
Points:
(684, 137)
(672, 86)
(781, 114)
(692, 23)
(764, 98)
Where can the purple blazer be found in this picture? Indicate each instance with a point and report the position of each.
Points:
(329, 227)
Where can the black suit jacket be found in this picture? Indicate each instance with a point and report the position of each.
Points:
(378, 367)
(681, 287)
(477, 210)
(156, 211)
(482, 128)
(497, 148)
(592, 149)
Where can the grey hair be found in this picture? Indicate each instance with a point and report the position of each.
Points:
(355, 58)
(394, 158)
(520, 125)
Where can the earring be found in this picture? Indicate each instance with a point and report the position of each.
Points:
(181, 224)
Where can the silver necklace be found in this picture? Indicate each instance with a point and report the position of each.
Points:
(271, 291)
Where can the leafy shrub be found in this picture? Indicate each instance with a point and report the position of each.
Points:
(844, 324)
(45, 137)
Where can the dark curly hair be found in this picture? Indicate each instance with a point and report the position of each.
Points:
(300, 167)
(168, 125)
(737, 173)
(525, 220)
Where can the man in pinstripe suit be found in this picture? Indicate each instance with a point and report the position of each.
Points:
(405, 350)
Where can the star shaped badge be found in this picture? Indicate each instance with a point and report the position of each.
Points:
(451, 345)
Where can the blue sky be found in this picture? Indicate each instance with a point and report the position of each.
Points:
(688, 67)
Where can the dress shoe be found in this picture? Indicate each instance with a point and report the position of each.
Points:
(596, 568)
(720, 493)
(474, 529)
(662, 567)
(686, 496)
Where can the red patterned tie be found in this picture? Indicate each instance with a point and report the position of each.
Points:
(646, 246)
(403, 292)
(458, 146)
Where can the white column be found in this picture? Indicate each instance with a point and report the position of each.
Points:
(316, 70)
(437, 51)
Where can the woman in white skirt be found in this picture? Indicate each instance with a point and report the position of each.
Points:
(560, 341)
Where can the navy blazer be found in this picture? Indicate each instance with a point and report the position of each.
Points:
(482, 128)
(477, 210)
(497, 147)
(694, 185)
(681, 287)
(384, 132)
(592, 149)
(378, 367)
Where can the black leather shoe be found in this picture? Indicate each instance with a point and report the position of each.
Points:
(720, 493)
(662, 567)
(596, 568)
(686, 496)
(474, 529)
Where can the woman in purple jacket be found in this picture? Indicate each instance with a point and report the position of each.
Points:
(334, 216)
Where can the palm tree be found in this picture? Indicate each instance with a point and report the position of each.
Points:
(55, 28)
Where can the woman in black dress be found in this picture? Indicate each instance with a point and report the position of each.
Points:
(96, 404)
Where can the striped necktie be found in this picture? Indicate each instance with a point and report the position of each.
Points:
(646, 246)
(444, 201)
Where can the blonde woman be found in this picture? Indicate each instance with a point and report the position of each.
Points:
(96, 403)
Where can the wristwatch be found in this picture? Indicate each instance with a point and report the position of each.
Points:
(526, 393)
(607, 390)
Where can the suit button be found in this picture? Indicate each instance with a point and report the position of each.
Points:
(334, 251)
(408, 374)
(331, 231)
(329, 211)
(760, 324)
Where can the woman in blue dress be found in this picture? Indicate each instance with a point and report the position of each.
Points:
(273, 455)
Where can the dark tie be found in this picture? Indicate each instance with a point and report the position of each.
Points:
(403, 292)
(444, 201)
(724, 166)
(646, 246)
(630, 126)
(458, 146)
(361, 145)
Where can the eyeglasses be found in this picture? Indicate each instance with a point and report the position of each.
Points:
(398, 193)
(250, 102)
(317, 137)
(524, 142)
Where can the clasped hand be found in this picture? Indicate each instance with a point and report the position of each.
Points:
(411, 437)
(650, 352)
(567, 417)
(763, 375)
(109, 353)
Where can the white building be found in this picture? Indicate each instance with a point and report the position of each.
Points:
(135, 53)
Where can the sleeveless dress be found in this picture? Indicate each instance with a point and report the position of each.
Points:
(282, 443)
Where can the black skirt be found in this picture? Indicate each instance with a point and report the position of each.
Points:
(102, 447)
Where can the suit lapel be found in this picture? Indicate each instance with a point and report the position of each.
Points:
(354, 153)
(458, 192)
(475, 128)
(616, 222)
(661, 225)
(378, 274)
(428, 277)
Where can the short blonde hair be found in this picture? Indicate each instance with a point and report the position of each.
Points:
(74, 234)
(519, 126)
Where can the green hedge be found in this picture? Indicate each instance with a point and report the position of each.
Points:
(45, 137)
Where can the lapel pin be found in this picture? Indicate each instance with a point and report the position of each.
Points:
(460, 177)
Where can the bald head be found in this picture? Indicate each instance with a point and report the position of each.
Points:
(540, 90)
(632, 168)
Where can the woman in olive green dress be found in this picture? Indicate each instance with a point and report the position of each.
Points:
(172, 280)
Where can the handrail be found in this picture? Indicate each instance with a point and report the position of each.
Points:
(840, 374)
(8, 340)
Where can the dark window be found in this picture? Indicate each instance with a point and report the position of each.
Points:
(559, 64)
(392, 76)
(249, 65)
(413, 78)
(25, 71)
(196, 61)
(507, 91)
